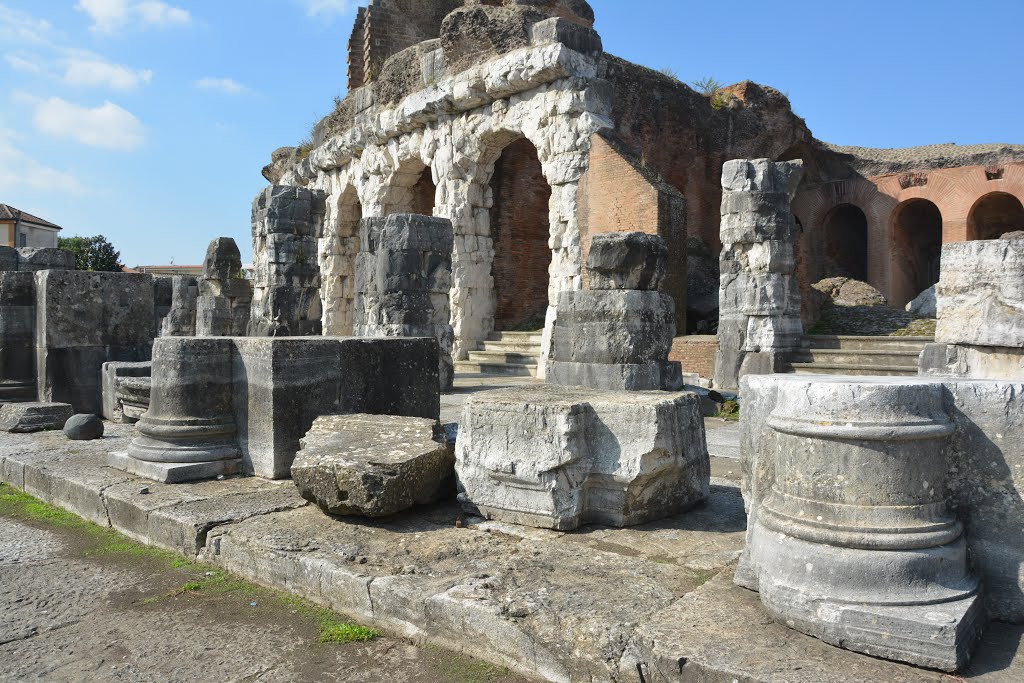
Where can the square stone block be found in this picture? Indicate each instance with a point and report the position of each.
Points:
(558, 457)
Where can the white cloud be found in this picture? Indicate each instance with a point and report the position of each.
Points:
(108, 126)
(109, 16)
(224, 85)
(88, 70)
(19, 63)
(18, 170)
(16, 25)
(327, 7)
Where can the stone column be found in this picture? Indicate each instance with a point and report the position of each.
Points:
(980, 302)
(759, 296)
(853, 542)
(222, 309)
(617, 335)
(403, 278)
(189, 431)
(181, 319)
(286, 223)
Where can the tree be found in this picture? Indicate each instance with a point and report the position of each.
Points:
(92, 253)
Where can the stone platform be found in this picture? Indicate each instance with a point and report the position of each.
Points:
(588, 605)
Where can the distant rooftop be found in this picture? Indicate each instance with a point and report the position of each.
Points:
(9, 213)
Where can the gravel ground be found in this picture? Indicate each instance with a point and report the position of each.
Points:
(78, 603)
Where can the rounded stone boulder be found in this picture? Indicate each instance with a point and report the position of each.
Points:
(83, 427)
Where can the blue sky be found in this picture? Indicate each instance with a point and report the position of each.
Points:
(148, 120)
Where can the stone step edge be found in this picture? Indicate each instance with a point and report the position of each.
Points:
(883, 338)
(868, 369)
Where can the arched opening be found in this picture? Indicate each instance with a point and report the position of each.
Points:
(916, 249)
(846, 243)
(412, 190)
(993, 215)
(519, 228)
(338, 250)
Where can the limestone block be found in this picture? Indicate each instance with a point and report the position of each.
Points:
(980, 295)
(17, 336)
(851, 537)
(112, 374)
(181, 318)
(613, 326)
(630, 260)
(83, 320)
(32, 259)
(924, 304)
(8, 259)
(761, 175)
(969, 361)
(558, 457)
(373, 465)
(34, 417)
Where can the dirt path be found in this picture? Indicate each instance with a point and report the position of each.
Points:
(80, 603)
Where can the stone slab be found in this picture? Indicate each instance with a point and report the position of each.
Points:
(174, 473)
(374, 465)
(34, 417)
(980, 295)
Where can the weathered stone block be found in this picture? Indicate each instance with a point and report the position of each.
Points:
(559, 457)
(32, 259)
(970, 361)
(33, 417)
(112, 374)
(84, 319)
(980, 295)
(180, 320)
(17, 336)
(613, 326)
(373, 465)
(627, 260)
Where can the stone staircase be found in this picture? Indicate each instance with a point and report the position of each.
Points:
(504, 353)
(848, 355)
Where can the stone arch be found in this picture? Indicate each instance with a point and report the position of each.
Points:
(518, 196)
(994, 214)
(411, 189)
(846, 242)
(916, 230)
(338, 249)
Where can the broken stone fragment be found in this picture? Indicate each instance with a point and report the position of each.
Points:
(83, 427)
(373, 465)
(34, 417)
(627, 260)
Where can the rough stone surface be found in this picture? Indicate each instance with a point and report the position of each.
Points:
(924, 305)
(850, 545)
(17, 336)
(33, 417)
(981, 294)
(113, 375)
(984, 475)
(759, 298)
(627, 260)
(83, 427)
(286, 222)
(969, 361)
(83, 320)
(403, 282)
(180, 320)
(222, 308)
(31, 259)
(559, 457)
(373, 465)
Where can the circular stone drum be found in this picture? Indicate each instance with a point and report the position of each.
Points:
(855, 544)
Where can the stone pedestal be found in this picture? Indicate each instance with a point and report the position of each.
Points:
(113, 377)
(617, 335)
(759, 296)
(558, 457)
(83, 320)
(222, 308)
(189, 431)
(851, 537)
(17, 337)
(241, 404)
(286, 222)
(403, 278)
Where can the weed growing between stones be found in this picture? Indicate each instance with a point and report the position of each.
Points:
(463, 669)
(101, 541)
(730, 410)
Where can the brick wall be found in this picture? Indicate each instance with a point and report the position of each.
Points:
(519, 227)
(618, 195)
(696, 353)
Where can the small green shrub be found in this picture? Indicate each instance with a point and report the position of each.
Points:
(730, 410)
